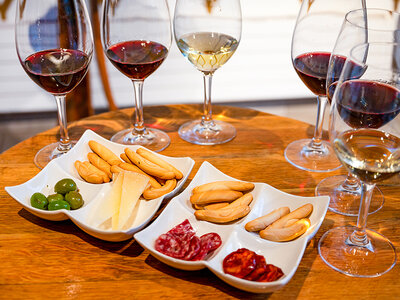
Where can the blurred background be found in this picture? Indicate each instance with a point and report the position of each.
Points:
(259, 75)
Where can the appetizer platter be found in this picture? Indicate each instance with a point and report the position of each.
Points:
(245, 258)
(116, 198)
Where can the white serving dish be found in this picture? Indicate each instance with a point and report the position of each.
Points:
(63, 167)
(285, 255)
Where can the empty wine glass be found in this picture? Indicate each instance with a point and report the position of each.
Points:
(136, 37)
(364, 130)
(54, 44)
(317, 27)
(362, 25)
(207, 35)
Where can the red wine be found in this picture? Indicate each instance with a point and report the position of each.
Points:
(312, 69)
(336, 64)
(137, 59)
(370, 154)
(57, 71)
(367, 104)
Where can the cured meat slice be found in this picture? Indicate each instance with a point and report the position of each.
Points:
(194, 248)
(171, 246)
(261, 268)
(183, 231)
(209, 242)
(273, 273)
(240, 263)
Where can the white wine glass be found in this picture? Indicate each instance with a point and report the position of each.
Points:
(208, 36)
(136, 37)
(361, 25)
(371, 153)
(54, 43)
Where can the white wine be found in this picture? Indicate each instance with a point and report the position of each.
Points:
(371, 155)
(207, 51)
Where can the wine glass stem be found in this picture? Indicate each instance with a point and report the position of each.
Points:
(359, 236)
(64, 143)
(138, 123)
(207, 110)
(316, 142)
(351, 184)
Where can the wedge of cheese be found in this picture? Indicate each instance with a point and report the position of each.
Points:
(106, 207)
(132, 188)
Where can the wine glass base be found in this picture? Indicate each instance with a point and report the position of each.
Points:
(153, 139)
(49, 152)
(213, 133)
(353, 260)
(300, 155)
(345, 202)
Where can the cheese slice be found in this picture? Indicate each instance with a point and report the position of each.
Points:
(116, 199)
(105, 208)
(132, 188)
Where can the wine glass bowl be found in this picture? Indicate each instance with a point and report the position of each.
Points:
(364, 131)
(207, 37)
(361, 25)
(136, 37)
(54, 45)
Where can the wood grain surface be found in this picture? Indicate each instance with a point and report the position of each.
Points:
(41, 259)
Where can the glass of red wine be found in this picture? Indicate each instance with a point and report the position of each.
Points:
(371, 153)
(362, 25)
(54, 44)
(317, 27)
(136, 37)
(208, 34)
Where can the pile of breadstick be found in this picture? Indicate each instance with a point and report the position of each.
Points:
(281, 225)
(222, 201)
(103, 163)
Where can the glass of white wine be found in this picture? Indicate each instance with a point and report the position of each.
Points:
(207, 33)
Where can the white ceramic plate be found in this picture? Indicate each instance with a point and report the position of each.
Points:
(286, 255)
(63, 167)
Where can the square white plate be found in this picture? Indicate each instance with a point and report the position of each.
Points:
(63, 167)
(285, 255)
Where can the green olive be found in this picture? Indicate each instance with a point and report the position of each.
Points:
(64, 186)
(38, 200)
(74, 199)
(58, 204)
(54, 197)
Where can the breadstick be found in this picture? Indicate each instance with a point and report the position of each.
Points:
(104, 153)
(159, 161)
(301, 212)
(215, 196)
(100, 163)
(222, 215)
(116, 169)
(147, 166)
(262, 222)
(153, 193)
(96, 170)
(286, 233)
(88, 175)
(125, 158)
(240, 186)
(129, 167)
(243, 200)
(216, 205)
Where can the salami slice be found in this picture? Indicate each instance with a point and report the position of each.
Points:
(261, 268)
(240, 263)
(171, 246)
(194, 248)
(183, 231)
(209, 242)
(273, 273)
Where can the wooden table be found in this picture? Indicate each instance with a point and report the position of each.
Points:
(43, 259)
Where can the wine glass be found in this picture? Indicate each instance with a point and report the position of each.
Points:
(364, 130)
(54, 44)
(362, 25)
(207, 35)
(136, 37)
(317, 27)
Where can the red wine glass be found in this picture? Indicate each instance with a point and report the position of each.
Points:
(362, 25)
(371, 153)
(317, 26)
(54, 44)
(207, 34)
(136, 37)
